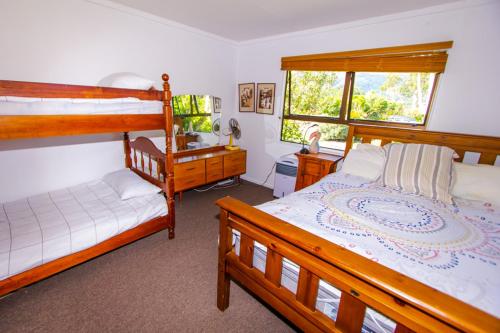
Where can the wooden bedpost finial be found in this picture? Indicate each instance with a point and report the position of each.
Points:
(165, 77)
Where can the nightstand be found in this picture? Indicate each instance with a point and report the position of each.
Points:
(313, 167)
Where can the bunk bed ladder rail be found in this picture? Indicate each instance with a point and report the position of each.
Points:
(300, 307)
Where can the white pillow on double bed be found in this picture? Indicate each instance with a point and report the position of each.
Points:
(476, 182)
(366, 161)
(128, 184)
(126, 81)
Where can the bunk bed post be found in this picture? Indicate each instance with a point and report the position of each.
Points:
(126, 148)
(169, 160)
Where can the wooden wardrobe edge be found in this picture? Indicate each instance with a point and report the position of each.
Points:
(46, 270)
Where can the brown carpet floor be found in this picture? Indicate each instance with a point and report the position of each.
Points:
(152, 285)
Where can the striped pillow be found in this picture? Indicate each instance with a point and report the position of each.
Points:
(420, 169)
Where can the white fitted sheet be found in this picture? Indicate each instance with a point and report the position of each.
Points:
(11, 105)
(45, 227)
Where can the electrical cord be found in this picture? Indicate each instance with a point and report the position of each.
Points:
(269, 174)
(272, 168)
(217, 187)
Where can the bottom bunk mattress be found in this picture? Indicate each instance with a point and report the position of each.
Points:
(453, 248)
(45, 227)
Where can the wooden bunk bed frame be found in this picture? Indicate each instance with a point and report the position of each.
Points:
(414, 306)
(39, 126)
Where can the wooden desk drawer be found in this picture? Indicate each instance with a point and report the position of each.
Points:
(189, 175)
(214, 169)
(235, 164)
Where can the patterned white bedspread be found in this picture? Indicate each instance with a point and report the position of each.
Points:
(42, 228)
(453, 248)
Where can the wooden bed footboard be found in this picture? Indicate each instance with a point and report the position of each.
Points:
(362, 282)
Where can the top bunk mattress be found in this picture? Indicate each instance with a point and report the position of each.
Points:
(452, 248)
(19, 106)
(45, 227)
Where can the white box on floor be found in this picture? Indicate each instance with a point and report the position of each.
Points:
(286, 174)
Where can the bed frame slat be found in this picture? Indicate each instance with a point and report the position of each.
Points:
(135, 158)
(274, 267)
(488, 158)
(384, 142)
(461, 155)
(142, 161)
(366, 139)
(351, 314)
(307, 289)
(246, 250)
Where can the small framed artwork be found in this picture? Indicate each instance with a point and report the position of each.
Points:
(265, 98)
(247, 97)
(217, 104)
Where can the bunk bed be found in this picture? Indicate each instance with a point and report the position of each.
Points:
(263, 253)
(141, 155)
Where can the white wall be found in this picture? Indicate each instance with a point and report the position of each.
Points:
(79, 42)
(467, 99)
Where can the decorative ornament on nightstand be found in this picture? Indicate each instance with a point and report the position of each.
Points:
(304, 150)
(314, 145)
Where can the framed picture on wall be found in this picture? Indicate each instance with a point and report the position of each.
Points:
(265, 98)
(217, 104)
(247, 97)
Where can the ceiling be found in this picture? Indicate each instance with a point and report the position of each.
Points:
(241, 20)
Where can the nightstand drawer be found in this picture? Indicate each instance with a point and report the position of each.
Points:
(312, 168)
(189, 175)
(214, 169)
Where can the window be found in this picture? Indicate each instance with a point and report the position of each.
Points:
(390, 86)
(194, 109)
(398, 98)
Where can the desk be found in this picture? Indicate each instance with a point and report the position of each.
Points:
(204, 166)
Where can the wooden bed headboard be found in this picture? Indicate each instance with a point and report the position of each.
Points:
(143, 158)
(488, 147)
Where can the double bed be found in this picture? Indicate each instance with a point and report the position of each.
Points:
(48, 233)
(347, 254)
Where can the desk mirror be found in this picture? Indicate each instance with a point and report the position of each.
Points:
(194, 119)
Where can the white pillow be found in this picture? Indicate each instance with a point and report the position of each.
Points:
(127, 81)
(476, 182)
(366, 161)
(129, 185)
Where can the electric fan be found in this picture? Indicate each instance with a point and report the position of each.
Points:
(233, 130)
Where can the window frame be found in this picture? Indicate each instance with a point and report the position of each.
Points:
(346, 106)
